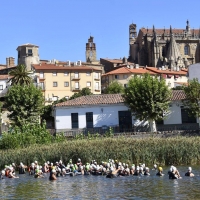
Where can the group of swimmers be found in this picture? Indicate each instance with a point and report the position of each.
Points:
(110, 169)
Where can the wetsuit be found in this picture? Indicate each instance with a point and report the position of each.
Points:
(187, 174)
(52, 176)
(159, 174)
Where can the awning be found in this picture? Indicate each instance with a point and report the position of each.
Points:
(164, 75)
(169, 75)
(176, 76)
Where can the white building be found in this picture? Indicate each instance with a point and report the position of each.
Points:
(97, 111)
(4, 85)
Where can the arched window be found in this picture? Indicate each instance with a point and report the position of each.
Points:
(186, 50)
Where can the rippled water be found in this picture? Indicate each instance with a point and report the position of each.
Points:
(100, 187)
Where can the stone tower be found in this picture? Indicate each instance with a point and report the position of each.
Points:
(132, 44)
(91, 55)
(27, 55)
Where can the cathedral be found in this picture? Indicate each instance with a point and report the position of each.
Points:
(169, 48)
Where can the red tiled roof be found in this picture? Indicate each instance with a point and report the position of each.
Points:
(45, 66)
(178, 95)
(109, 99)
(154, 69)
(94, 100)
(167, 31)
(3, 77)
(126, 70)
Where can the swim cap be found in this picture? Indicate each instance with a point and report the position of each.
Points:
(160, 168)
(189, 168)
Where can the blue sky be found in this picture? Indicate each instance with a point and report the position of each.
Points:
(61, 28)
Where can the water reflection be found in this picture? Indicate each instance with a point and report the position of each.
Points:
(99, 187)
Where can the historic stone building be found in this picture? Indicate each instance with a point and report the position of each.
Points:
(168, 48)
(91, 55)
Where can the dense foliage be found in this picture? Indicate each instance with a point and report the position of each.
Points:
(114, 88)
(25, 104)
(20, 76)
(148, 98)
(192, 101)
(181, 150)
(26, 135)
(84, 92)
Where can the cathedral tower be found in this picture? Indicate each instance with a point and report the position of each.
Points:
(91, 55)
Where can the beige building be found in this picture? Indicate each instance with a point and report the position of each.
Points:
(125, 73)
(58, 81)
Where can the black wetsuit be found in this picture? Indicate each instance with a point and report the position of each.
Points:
(159, 174)
(172, 175)
(187, 174)
(136, 173)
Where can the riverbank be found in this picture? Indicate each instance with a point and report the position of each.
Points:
(164, 151)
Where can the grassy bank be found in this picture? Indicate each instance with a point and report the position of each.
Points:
(180, 150)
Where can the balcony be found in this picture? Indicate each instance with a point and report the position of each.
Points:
(76, 89)
(97, 78)
(97, 89)
(42, 87)
(76, 77)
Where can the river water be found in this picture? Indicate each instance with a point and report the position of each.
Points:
(100, 187)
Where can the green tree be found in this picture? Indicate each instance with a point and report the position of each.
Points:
(148, 98)
(20, 76)
(84, 92)
(114, 88)
(192, 101)
(25, 104)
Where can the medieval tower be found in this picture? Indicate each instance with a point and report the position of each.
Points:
(91, 50)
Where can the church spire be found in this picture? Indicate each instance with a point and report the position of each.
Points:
(188, 26)
(173, 53)
(170, 29)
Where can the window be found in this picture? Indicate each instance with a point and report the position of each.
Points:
(66, 73)
(30, 53)
(116, 76)
(186, 118)
(77, 85)
(96, 75)
(97, 86)
(18, 54)
(41, 74)
(54, 73)
(66, 84)
(88, 84)
(125, 76)
(55, 98)
(125, 85)
(89, 120)
(76, 74)
(74, 118)
(186, 50)
(88, 73)
(55, 84)
(1, 87)
(41, 85)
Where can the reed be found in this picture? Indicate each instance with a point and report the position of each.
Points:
(179, 151)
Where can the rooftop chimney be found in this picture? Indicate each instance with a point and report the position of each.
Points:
(10, 62)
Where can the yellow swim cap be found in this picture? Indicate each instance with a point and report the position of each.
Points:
(160, 168)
